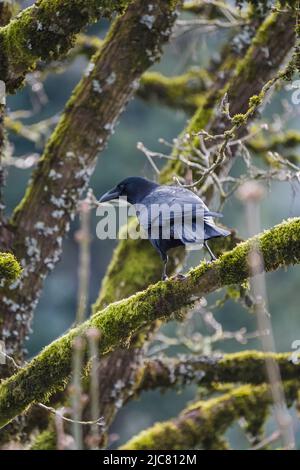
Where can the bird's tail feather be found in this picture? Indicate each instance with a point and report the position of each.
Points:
(211, 231)
(212, 214)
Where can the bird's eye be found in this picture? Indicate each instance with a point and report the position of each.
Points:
(121, 188)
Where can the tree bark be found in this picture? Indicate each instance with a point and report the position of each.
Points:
(46, 30)
(241, 367)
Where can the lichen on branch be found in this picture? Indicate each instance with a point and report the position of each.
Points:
(244, 367)
(50, 370)
(46, 30)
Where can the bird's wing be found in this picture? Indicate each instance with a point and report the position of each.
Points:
(174, 212)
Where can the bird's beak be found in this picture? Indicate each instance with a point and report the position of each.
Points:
(110, 195)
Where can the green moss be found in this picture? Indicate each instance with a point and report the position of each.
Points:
(287, 140)
(10, 269)
(279, 246)
(246, 67)
(204, 423)
(45, 31)
(199, 121)
(255, 100)
(239, 119)
(185, 91)
(46, 440)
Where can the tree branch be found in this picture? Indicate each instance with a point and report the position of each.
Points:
(244, 367)
(204, 423)
(42, 219)
(211, 9)
(165, 372)
(46, 30)
(49, 371)
(285, 142)
(180, 92)
(5, 15)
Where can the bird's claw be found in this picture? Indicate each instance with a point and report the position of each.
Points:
(179, 277)
(210, 261)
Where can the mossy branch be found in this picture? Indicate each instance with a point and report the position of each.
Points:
(243, 367)
(204, 423)
(209, 8)
(42, 219)
(49, 371)
(10, 269)
(284, 143)
(46, 30)
(179, 92)
(165, 372)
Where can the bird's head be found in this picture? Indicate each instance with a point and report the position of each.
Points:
(133, 188)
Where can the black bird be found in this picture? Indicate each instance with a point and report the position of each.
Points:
(185, 206)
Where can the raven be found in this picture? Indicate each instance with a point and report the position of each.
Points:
(184, 215)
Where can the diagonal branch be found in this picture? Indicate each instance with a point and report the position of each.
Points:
(49, 371)
(46, 30)
(42, 219)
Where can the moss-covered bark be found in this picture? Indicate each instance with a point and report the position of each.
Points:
(45, 441)
(10, 269)
(2, 150)
(284, 144)
(182, 92)
(46, 30)
(243, 367)
(162, 373)
(204, 423)
(49, 371)
(6, 10)
(202, 8)
(42, 219)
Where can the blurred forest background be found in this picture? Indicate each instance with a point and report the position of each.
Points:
(147, 123)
